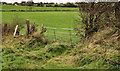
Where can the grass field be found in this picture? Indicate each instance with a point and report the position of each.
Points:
(10, 7)
(49, 19)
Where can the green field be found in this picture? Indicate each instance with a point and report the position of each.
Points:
(49, 19)
(10, 7)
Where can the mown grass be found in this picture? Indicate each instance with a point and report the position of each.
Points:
(10, 7)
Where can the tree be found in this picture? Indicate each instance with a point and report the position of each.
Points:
(29, 3)
(15, 3)
(46, 3)
(4, 3)
(41, 4)
(68, 4)
(23, 3)
(38, 4)
(51, 3)
(97, 16)
(56, 5)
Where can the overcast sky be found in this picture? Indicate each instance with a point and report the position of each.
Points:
(56, 1)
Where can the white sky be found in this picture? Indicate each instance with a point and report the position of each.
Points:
(55, 1)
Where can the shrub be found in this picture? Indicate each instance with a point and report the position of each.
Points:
(96, 16)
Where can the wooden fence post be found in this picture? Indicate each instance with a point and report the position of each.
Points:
(27, 28)
(33, 27)
(15, 30)
(43, 29)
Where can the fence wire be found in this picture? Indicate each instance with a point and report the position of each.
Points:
(61, 35)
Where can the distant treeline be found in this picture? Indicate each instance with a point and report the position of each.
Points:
(41, 4)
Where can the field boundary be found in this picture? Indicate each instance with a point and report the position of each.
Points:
(34, 10)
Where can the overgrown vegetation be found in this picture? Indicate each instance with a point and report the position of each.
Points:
(35, 54)
(97, 16)
(8, 28)
(28, 53)
(101, 22)
(98, 50)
